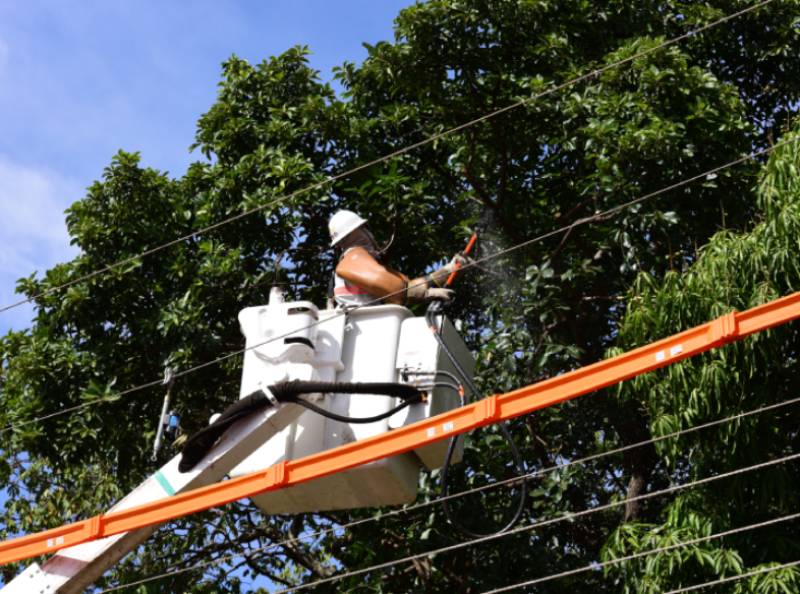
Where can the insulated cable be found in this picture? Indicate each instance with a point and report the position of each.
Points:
(616, 561)
(392, 155)
(402, 511)
(434, 309)
(735, 578)
(577, 462)
(678, 545)
(565, 228)
(570, 517)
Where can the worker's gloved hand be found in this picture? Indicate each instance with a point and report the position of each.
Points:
(458, 261)
(439, 277)
(415, 293)
(437, 294)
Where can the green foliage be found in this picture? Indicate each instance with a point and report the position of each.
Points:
(732, 271)
(277, 128)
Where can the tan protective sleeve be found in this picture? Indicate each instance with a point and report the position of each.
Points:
(361, 269)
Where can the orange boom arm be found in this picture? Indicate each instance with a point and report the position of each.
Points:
(496, 408)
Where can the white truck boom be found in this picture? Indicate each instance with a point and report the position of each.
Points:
(288, 341)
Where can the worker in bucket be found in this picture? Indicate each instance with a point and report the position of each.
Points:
(361, 279)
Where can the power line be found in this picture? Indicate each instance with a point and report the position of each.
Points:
(581, 221)
(405, 510)
(566, 518)
(570, 517)
(80, 406)
(647, 553)
(383, 159)
(472, 263)
(392, 155)
(736, 578)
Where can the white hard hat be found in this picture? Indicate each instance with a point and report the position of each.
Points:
(342, 224)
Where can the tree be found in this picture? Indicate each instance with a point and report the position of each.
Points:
(734, 270)
(276, 128)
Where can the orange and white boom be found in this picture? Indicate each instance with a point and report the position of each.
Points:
(493, 409)
(75, 568)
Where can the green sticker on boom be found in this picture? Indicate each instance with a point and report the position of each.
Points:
(162, 480)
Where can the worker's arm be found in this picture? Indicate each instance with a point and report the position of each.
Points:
(361, 269)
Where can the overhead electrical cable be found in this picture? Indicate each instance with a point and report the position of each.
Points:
(516, 512)
(389, 156)
(647, 553)
(408, 509)
(597, 216)
(735, 578)
(470, 264)
(570, 517)
(528, 527)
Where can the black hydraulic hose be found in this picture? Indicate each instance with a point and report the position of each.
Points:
(199, 444)
(343, 419)
(430, 317)
(294, 388)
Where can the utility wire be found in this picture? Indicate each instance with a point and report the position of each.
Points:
(566, 518)
(735, 578)
(405, 510)
(402, 151)
(82, 405)
(392, 155)
(471, 263)
(647, 553)
(569, 517)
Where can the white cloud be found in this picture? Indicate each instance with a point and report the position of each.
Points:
(33, 235)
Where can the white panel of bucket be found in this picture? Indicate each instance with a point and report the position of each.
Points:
(369, 352)
(279, 343)
(420, 357)
(360, 347)
(307, 435)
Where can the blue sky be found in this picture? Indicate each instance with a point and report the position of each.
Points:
(79, 81)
